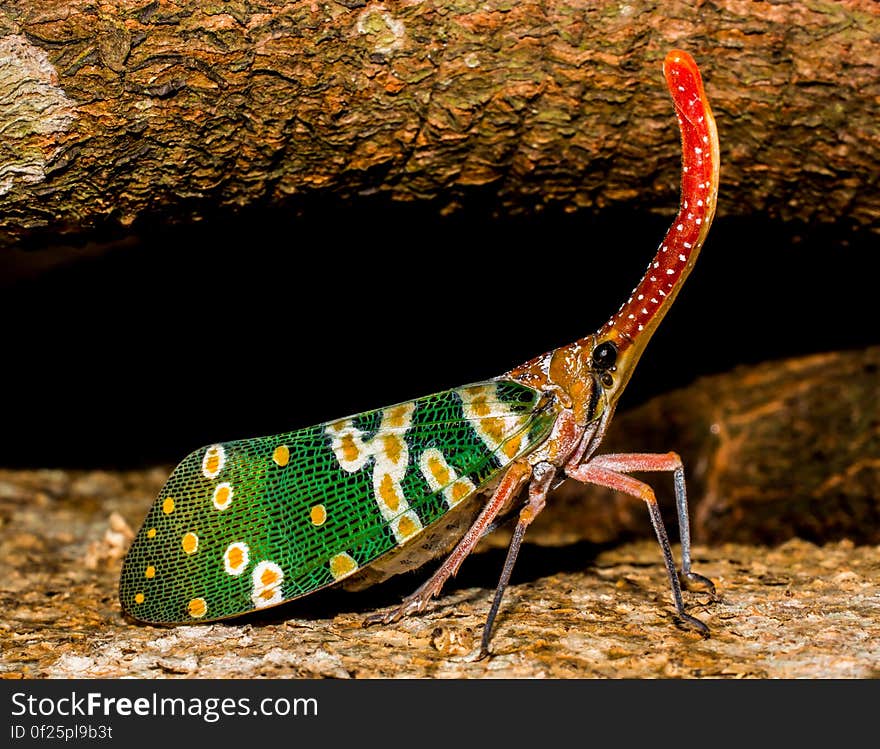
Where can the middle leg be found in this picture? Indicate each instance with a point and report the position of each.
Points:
(512, 481)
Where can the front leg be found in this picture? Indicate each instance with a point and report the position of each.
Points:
(608, 471)
(542, 478)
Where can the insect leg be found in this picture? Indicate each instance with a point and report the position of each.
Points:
(593, 472)
(543, 474)
(517, 474)
(667, 462)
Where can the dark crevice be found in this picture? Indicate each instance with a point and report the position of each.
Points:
(261, 321)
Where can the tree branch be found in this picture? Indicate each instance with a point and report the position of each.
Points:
(124, 110)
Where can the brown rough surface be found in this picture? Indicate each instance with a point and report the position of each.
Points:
(576, 609)
(795, 611)
(125, 110)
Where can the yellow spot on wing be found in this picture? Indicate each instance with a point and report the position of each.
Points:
(438, 470)
(337, 426)
(511, 448)
(494, 428)
(349, 449)
(342, 565)
(397, 417)
(479, 406)
(393, 446)
(267, 578)
(168, 506)
(190, 543)
(318, 514)
(494, 421)
(214, 460)
(460, 490)
(406, 527)
(479, 391)
(151, 533)
(150, 572)
(442, 476)
(281, 455)
(222, 495)
(236, 558)
(388, 493)
(197, 608)
(138, 597)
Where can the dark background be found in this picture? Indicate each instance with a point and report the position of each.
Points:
(263, 321)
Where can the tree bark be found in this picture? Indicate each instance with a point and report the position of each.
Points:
(572, 612)
(127, 110)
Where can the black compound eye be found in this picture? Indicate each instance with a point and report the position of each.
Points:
(604, 356)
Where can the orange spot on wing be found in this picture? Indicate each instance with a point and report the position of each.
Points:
(511, 448)
(342, 565)
(267, 577)
(388, 493)
(222, 495)
(197, 608)
(235, 557)
(150, 572)
(138, 597)
(438, 470)
(349, 449)
(318, 514)
(337, 426)
(281, 455)
(396, 416)
(459, 492)
(190, 543)
(168, 505)
(479, 406)
(406, 527)
(494, 428)
(212, 461)
(478, 391)
(393, 447)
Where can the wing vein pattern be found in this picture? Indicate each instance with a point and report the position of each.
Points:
(252, 523)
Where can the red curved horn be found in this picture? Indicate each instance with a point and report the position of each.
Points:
(636, 320)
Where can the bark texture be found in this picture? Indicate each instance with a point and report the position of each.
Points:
(126, 110)
(796, 611)
(794, 451)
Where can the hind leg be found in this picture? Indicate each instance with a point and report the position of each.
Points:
(607, 470)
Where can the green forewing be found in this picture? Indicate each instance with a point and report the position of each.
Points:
(252, 523)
